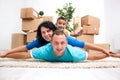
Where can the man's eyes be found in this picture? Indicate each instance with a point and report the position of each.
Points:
(59, 43)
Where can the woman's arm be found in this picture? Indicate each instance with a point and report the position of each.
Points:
(80, 44)
(74, 42)
(33, 44)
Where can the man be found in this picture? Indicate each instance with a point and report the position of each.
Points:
(59, 50)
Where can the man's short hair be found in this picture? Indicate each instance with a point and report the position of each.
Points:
(58, 32)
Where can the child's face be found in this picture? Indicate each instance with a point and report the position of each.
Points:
(61, 24)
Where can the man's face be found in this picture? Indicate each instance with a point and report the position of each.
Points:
(46, 33)
(59, 44)
(61, 24)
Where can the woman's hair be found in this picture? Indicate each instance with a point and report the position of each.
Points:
(46, 24)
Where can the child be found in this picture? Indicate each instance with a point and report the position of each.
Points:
(61, 24)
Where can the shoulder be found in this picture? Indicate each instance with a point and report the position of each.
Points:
(70, 48)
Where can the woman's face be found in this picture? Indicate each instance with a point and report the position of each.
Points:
(46, 33)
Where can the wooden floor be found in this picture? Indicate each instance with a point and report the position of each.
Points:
(59, 74)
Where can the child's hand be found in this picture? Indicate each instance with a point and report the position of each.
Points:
(80, 32)
(31, 31)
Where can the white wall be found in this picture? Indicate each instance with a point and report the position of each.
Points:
(10, 21)
(112, 23)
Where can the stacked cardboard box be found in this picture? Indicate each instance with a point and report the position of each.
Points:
(33, 24)
(28, 13)
(30, 21)
(90, 26)
(85, 37)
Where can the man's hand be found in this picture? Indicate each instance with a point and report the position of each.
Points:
(113, 54)
(107, 52)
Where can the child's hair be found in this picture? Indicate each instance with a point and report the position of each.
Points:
(63, 18)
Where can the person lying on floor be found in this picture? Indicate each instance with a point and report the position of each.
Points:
(58, 50)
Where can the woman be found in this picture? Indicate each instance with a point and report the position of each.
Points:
(48, 28)
(44, 34)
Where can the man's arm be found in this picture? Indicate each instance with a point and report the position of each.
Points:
(97, 48)
(19, 55)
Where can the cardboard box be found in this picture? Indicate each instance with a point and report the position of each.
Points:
(47, 18)
(30, 24)
(90, 21)
(31, 36)
(86, 38)
(18, 39)
(28, 13)
(33, 24)
(90, 30)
